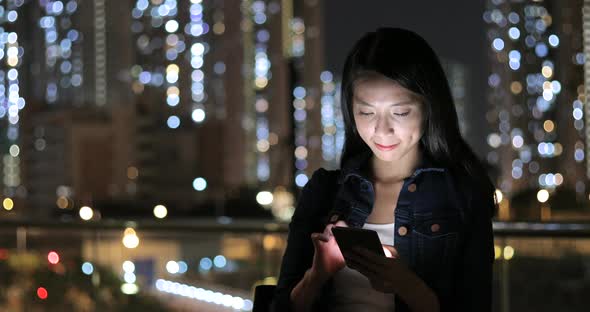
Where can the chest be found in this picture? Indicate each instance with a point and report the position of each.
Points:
(386, 197)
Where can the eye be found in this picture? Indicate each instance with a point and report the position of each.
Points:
(365, 114)
(402, 114)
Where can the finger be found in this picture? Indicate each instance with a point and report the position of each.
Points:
(375, 278)
(341, 223)
(361, 264)
(392, 250)
(387, 252)
(319, 237)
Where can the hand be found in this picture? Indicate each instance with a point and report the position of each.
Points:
(327, 258)
(385, 273)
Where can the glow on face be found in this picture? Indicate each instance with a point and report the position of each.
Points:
(388, 117)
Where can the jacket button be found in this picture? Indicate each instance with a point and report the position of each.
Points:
(402, 231)
(435, 227)
(412, 187)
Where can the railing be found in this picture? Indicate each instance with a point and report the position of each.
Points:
(213, 264)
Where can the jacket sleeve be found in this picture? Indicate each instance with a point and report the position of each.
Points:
(298, 255)
(474, 288)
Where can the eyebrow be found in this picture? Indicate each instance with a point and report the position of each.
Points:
(407, 102)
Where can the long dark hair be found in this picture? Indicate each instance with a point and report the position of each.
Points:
(406, 58)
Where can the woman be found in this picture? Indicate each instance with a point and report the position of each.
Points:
(406, 173)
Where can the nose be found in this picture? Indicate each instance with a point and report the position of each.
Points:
(383, 126)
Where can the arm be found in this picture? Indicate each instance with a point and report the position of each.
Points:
(297, 259)
(305, 292)
(474, 283)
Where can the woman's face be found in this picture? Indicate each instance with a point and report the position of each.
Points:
(388, 117)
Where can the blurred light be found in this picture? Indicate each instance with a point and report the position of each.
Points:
(198, 115)
(299, 92)
(301, 179)
(264, 198)
(171, 26)
(548, 125)
(160, 212)
(14, 150)
(542, 196)
(205, 264)
(182, 267)
(577, 114)
(200, 294)
(541, 49)
(547, 71)
(172, 267)
(62, 202)
(53, 257)
(132, 173)
(514, 33)
(128, 266)
(42, 293)
(219, 261)
(516, 87)
(8, 204)
(129, 277)
(498, 44)
(508, 252)
(130, 239)
(497, 252)
(173, 122)
(200, 184)
(87, 268)
(553, 40)
(499, 196)
(301, 152)
(326, 76)
(86, 213)
(494, 140)
(129, 289)
(517, 141)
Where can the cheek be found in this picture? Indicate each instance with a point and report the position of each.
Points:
(411, 131)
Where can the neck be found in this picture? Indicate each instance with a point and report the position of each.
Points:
(395, 171)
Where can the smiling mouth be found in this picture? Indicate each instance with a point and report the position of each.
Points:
(386, 147)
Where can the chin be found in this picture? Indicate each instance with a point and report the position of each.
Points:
(387, 156)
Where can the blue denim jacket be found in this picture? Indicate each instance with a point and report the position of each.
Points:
(443, 231)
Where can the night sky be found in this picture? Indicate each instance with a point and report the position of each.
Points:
(455, 29)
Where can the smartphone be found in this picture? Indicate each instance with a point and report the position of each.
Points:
(347, 238)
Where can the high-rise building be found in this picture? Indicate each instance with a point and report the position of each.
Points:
(182, 103)
(536, 96)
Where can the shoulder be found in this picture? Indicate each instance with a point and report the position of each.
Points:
(314, 200)
(477, 194)
(323, 178)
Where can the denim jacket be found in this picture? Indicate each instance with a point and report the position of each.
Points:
(443, 231)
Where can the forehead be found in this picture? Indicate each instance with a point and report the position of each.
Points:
(378, 89)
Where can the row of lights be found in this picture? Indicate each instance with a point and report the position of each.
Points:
(205, 265)
(332, 123)
(542, 195)
(258, 14)
(205, 295)
(11, 54)
(62, 48)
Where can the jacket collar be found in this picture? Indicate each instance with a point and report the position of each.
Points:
(358, 165)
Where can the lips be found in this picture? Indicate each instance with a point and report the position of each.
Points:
(386, 147)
